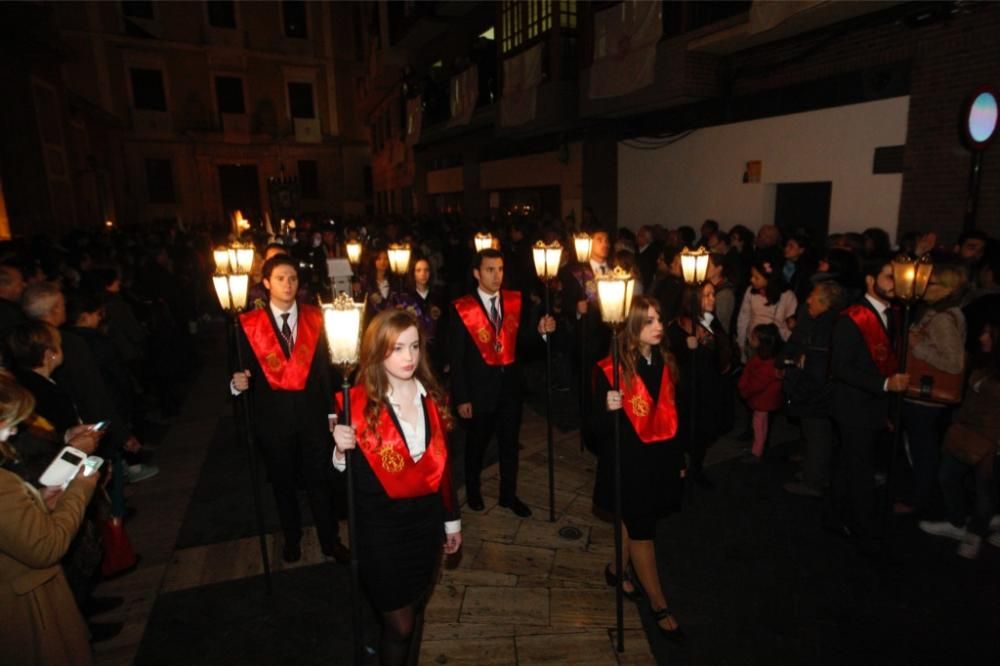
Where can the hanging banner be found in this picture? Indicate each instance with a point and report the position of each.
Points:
(464, 96)
(414, 120)
(522, 75)
(625, 38)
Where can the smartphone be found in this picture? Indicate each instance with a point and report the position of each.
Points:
(65, 466)
(100, 426)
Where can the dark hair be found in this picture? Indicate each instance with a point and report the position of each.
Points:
(413, 268)
(80, 302)
(28, 341)
(274, 262)
(776, 285)
(488, 253)
(975, 234)
(844, 267)
(722, 236)
(281, 247)
(687, 234)
(768, 341)
(873, 265)
(879, 240)
(746, 237)
(711, 224)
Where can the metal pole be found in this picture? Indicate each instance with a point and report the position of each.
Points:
(694, 376)
(619, 565)
(583, 378)
(897, 421)
(548, 415)
(252, 456)
(356, 619)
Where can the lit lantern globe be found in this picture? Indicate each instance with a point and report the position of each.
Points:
(547, 258)
(694, 265)
(483, 241)
(399, 258)
(582, 243)
(911, 277)
(614, 295)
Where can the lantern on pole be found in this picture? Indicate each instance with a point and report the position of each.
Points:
(582, 243)
(353, 248)
(483, 241)
(231, 282)
(342, 325)
(911, 277)
(547, 258)
(694, 265)
(614, 293)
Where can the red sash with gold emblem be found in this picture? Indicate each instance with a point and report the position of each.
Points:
(651, 424)
(495, 349)
(875, 337)
(390, 458)
(283, 374)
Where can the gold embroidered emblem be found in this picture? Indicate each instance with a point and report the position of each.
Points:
(273, 362)
(484, 335)
(376, 298)
(392, 461)
(640, 407)
(435, 312)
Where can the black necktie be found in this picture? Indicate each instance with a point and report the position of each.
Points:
(890, 323)
(286, 331)
(494, 313)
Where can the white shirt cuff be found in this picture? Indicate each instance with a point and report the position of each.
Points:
(233, 389)
(885, 386)
(339, 463)
(452, 526)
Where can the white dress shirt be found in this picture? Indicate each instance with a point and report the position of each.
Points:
(415, 436)
(487, 300)
(599, 267)
(293, 323)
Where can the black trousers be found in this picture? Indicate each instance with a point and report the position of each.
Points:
(284, 461)
(505, 421)
(853, 489)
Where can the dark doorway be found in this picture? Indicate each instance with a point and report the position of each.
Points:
(803, 208)
(240, 190)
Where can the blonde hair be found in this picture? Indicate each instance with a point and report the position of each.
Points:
(952, 276)
(376, 345)
(16, 404)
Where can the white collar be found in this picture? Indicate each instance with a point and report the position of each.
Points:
(293, 312)
(485, 297)
(879, 306)
(421, 393)
(423, 294)
(594, 264)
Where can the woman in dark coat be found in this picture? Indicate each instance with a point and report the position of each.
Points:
(430, 304)
(407, 511)
(652, 461)
(708, 353)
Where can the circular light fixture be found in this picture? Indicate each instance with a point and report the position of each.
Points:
(979, 119)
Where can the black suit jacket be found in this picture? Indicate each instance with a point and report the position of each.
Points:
(279, 416)
(859, 399)
(474, 381)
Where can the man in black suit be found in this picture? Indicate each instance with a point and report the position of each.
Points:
(490, 331)
(648, 252)
(291, 396)
(863, 368)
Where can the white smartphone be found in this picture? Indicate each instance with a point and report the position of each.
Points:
(100, 426)
(65, 466)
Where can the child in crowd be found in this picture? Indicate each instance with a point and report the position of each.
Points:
(760, 384)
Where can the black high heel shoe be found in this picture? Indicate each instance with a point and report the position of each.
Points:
(676, 635)
(612, 580)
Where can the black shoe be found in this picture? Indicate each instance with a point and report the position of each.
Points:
(675, 635)
(292, 552)
(339, 552)
(612, 580)
(98, 605)
(475, 501)
(519, 508)
(103, 631)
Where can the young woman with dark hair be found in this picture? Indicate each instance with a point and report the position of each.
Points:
(652, 461)
(768, 300)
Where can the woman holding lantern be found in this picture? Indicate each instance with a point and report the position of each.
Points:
(407, 509)
(652, 465)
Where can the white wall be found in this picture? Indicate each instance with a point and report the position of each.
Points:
(700, 176)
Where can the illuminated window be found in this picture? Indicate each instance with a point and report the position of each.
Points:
(567, 14)
(524, 20)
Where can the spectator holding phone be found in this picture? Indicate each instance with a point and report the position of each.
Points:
(41, 622)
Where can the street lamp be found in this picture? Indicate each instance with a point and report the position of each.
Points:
(342, 325)
(614, 294)
(483, 241)
(694, 267)
(547, 258)
(399, 260)
(582, 242)
(231, 280)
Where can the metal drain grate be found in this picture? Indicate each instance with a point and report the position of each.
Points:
(570, 533)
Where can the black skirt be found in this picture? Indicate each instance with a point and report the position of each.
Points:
(399, 541)
(652, 487)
